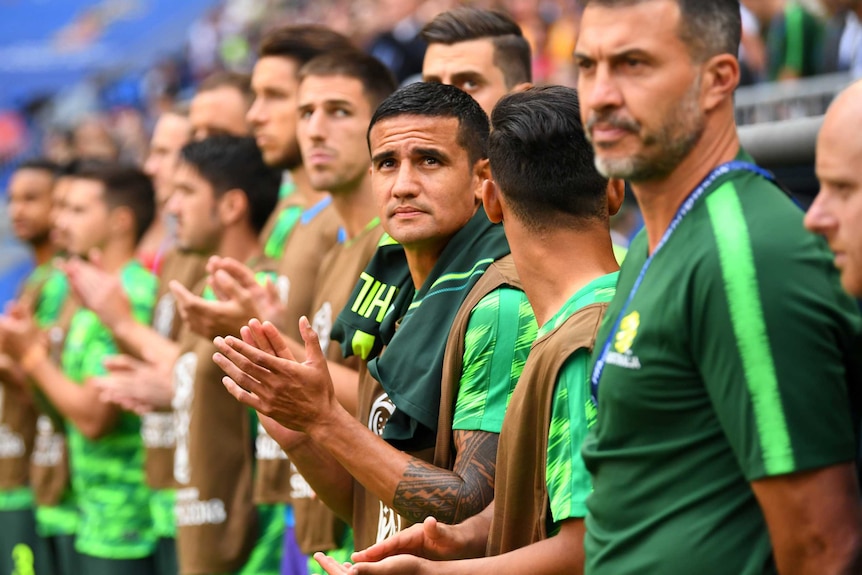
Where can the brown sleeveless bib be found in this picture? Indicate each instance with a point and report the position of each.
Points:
(216, 517)
(298, 271)
(49, 461)
(18, 415)
(158, 428)
(521, 493)
(372, 520)
(17, 421)
(501, 273)
(317, 527)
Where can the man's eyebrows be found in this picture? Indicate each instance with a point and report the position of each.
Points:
(414, 152)
(430, 152)
(384, 155)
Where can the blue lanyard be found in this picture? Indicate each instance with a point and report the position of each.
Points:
(681, 213)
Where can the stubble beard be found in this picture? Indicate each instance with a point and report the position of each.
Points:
(290, 159)
(663, 150)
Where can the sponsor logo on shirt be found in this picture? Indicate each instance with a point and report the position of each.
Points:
(190, 510)
(265, 447)
(184, 390)
(163, 316)
(622, 355)
(158, 430)
(282, 286)
(381, 410)
(322, 326)
(11, 443)
(48, 447)
(299, 487)
(388, 523)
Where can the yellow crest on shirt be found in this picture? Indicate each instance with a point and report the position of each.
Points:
(627, 332)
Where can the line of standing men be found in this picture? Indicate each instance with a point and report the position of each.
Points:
(739, 428)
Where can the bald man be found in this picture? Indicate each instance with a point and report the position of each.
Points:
(836, 213)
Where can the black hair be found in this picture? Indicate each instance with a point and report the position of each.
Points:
(511, 50)
(376, 79)
(541, 159)
(440, 101)
(125, 186)
(43, 165)
(234, 162)
(302, 42)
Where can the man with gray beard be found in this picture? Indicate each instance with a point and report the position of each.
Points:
(724, 440)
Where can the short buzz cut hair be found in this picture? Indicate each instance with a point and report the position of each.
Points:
(302, 43)
(226, 79)
(707, 27)
(512, 53)
(542, 162)
(433, 100)
(125, 186)
(229, 162)
(376, 79)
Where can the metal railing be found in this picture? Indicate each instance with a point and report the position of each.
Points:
(788, 100)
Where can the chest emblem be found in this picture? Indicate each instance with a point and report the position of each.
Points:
(625, 336)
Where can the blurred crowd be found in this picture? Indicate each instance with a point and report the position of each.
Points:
(111, 116)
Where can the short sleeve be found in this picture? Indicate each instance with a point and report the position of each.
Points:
(773, 337)
(500, 332)
(567, 477)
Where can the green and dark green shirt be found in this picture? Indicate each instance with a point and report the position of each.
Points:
(729, 366)
(499, 334)
(571, 412)
(108, 473)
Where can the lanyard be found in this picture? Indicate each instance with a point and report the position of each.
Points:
(681, 213)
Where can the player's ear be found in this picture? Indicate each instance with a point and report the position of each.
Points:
(233, 206)
(616, 195)
(481, 173)
(491, 201)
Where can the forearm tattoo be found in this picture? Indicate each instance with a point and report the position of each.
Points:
(450, 496)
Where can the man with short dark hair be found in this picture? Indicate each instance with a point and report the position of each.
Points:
(273, 117)
(428, 147)
(106, 207)
(709, 454)
(223, 195)
(220, 105)
(555, 206)
(482, 52)
(30, 206)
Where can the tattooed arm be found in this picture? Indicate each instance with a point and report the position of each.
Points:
(450, 496)
(300, 396)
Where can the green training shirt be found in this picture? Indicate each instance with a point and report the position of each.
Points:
(729, 366)
(571, 412)
(108, 473)
(499, 334)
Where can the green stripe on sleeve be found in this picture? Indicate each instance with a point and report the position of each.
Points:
(746, 315)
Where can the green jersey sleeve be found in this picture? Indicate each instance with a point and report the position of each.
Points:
(499, 334)
(772, 337)
(567, 477)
